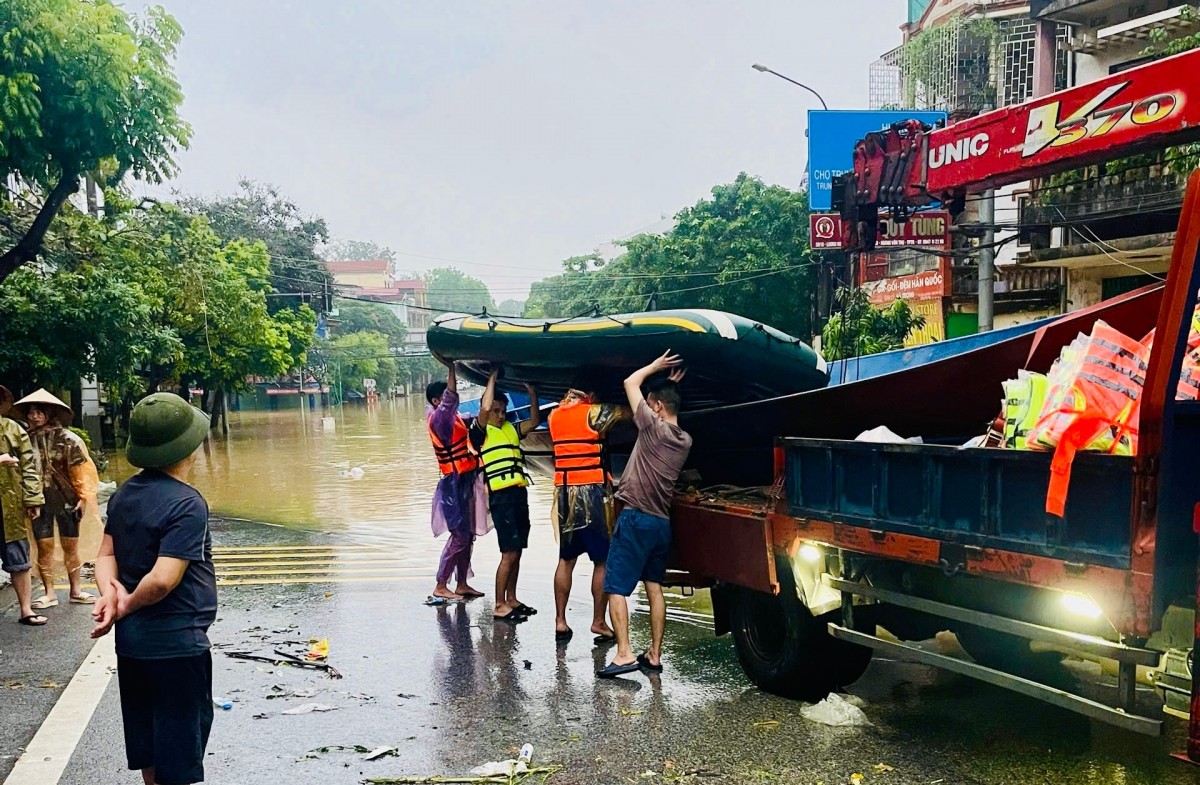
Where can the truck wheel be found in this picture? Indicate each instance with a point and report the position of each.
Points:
(785, 650)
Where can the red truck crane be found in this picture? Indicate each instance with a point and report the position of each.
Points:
(919, 538)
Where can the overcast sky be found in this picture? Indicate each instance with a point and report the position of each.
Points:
(507, 136)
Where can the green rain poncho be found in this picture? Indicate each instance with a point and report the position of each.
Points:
(20, 484)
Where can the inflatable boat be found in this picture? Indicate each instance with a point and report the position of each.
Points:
(729, 359)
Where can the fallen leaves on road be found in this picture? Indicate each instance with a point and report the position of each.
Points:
(881, 768)
(50, 685)
(14, 685)
(766, 724)
(309, 708)
(856, 778)
(630, 712)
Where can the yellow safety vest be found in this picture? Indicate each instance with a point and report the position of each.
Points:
(503, 461)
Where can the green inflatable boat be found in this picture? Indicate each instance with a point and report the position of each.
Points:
(729, 359)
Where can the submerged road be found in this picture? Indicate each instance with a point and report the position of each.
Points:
(448, 690)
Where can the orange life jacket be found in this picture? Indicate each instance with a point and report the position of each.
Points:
(455, 457)
(579, 454)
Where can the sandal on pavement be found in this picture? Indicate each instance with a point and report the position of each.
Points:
(44, 602)
(525, 610)
(644, 661)
(84, 598)
(612, 670)
(604, 640)
(512, 617)
(30, 620)
(562, 636)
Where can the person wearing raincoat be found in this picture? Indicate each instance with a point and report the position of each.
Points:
(20, 499)
(69, 482)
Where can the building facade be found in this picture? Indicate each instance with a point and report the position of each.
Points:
(376, 280)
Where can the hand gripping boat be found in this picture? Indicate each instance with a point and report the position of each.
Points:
(729, 359)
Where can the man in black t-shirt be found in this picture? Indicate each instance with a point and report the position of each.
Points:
(158, 585)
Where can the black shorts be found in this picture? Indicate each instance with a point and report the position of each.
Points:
(510, 514)
(14, 557)
(51, 514)
(167, 711)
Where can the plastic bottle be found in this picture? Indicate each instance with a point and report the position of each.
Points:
(222, 703)
(526, 754)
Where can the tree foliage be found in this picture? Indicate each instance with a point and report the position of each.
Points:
(291, 238)
(453, 290)
(860, 328)
(357, 316)
(363, 355)
(85, 88)
(356, 250)
(142, 296)
(745, 250)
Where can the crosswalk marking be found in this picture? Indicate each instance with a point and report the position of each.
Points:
(258, 565)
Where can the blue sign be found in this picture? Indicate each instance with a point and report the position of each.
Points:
(832, 135)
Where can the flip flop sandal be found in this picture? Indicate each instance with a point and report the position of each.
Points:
(604, 640)
(526, 610)
(84, 598)
(562, 636)
(644, 663)
(512, 618)
(612, 670)
(44, 602)
(28, 621)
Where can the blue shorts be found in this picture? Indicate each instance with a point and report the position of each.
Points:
(592, 540)
(639, 550)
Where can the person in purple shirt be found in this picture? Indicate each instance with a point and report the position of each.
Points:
(460, 501)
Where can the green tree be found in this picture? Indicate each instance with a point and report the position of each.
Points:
(364, 355)
(453, 290)
(745, 250)
(358, 250)
(260, 213)
(357, 316)
(860, 328)
(511, 307)
(87, 89)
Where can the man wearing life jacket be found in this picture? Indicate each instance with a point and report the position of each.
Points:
(581, 509)
(460, 501)
(499, 444)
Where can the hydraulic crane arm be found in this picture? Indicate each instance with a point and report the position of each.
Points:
(911, 165)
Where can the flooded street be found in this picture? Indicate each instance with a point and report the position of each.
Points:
(349, 558)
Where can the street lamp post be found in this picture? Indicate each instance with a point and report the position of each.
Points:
(763, 69)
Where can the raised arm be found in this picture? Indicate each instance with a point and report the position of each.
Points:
(535, 413)
(451, 377)
(489, 392)
(633, 384)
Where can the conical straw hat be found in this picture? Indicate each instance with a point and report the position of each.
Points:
(45, 400)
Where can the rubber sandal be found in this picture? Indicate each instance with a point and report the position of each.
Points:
(44, 602)
(526, 610)
(604, 640)
(612, 670)
(562, 636)
(644, 663)
(512, 618)
(28, 621)
(84, 598)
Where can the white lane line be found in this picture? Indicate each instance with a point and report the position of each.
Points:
(47, 755)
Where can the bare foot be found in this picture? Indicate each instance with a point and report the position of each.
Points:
(444, 593)
(464, 590)
(602, 629)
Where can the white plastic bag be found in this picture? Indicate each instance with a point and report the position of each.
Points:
(505, 768)
(836, 711)
(885, 435)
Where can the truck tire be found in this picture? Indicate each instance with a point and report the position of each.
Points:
(784, 650)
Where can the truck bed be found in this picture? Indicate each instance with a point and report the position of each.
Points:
(989, 498)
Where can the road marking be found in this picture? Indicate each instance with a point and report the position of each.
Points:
(284, 548)
(321, 579)
(221, 564)
(47, 755)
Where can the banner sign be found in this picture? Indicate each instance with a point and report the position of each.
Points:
(935, 323)
(929, 285)
(832, 135)
(925, 229)
(1150, 106)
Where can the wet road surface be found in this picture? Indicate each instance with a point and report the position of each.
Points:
(449, 690)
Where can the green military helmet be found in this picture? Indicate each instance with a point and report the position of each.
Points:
(163, 430)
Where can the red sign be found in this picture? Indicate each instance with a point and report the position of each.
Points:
(929, 229)
(1153, 105)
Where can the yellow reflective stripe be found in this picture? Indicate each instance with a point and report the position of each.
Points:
(480, 325)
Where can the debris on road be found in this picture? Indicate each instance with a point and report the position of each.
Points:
(280, 692)
(309, 708)
(318, 651)
(835, 711)
(283, 658)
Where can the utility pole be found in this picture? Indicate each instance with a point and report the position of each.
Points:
(987, 259)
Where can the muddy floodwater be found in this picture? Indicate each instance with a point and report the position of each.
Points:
(368, 477)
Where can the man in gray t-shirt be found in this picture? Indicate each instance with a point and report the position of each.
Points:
(642, 536)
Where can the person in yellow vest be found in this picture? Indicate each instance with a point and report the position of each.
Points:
(582, 484)
(499, 444)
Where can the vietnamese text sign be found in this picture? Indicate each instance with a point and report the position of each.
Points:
(929, 285)
(935, 323)
(832, 135)
(925, 229)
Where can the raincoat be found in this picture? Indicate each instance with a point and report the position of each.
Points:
(67, 472)
(20, 485)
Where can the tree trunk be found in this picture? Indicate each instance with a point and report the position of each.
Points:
(30, 245)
